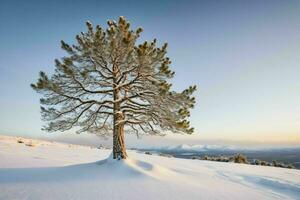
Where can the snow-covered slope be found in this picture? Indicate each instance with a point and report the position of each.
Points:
(48, 170)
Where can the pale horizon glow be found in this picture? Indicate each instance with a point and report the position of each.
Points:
(243, 56)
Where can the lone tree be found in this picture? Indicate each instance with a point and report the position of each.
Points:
(108, 85)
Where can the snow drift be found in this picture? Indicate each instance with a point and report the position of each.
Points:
(49, 170)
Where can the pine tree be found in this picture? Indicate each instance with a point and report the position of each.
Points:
(110, 85)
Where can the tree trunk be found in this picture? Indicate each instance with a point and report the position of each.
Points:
(119, 149)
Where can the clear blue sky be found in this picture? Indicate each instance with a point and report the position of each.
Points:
(243, 55)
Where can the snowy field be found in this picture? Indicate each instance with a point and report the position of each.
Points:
(35, 169)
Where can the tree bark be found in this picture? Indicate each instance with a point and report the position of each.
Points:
(119, 149)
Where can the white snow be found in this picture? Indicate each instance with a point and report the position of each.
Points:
(50, 170)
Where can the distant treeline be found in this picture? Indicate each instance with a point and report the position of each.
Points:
(240, 158)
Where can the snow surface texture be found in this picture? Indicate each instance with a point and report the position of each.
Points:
(34, 169)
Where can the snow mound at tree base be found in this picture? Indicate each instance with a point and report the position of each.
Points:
(131, 168)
